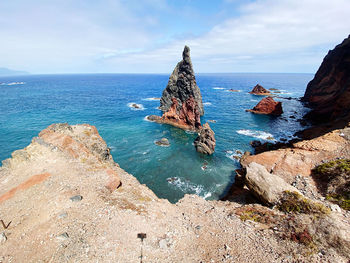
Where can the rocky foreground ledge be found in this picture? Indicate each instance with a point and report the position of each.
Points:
(64, 199)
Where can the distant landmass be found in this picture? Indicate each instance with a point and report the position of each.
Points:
(10, 72)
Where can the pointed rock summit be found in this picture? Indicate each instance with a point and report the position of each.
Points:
(182, 85)
(259, 90)
(181, 100)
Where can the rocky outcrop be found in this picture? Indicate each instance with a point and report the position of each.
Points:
(260, 90)
(267, 187)
(268, 106)
(303, 156)
(329, 92)
(187, 117)
(205, 142)
(181, 100)
(182, 85)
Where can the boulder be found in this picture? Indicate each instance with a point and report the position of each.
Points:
(268, 106)
(267, 187)
(205, 142)
(329, 91)
(259, 90)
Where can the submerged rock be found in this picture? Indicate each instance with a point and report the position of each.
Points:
(181, 100)
(259, 90)
(329, 92)
(163, 142)
(205, 142)
(268, 106)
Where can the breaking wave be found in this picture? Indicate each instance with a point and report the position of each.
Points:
(135, 106)
(257, 134)
(188, 187)
(13, 83)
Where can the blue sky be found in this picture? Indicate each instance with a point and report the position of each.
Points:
(130, 36)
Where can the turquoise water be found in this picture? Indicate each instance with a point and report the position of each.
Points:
(29, 104)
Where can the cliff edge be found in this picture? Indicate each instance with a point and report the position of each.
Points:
(64, 199)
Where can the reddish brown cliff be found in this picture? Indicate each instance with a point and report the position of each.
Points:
(329, 92)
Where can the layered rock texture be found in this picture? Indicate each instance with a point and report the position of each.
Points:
(268, 106)
(260, 90)
(205, 142)
(63, 199)
(181, 100)
(329, 92)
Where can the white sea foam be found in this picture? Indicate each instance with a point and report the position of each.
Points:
(254, 100)
(207, 103)
(218, 88)
(257, 134)
(234, 155)
(135, 106)
(187, 186)
(13, 83)
(151, 99)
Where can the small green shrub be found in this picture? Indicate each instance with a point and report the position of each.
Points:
(293, 202)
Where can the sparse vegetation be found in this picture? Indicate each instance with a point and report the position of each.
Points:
(258, 214)
(293, 202)
(333, 179)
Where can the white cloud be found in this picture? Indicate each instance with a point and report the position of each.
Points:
(270, 35)
(112, 36)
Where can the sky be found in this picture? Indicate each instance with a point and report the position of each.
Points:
(148, 36)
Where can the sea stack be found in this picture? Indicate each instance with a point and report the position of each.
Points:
(260, 90)
(205, 142)
(329, 92)
(181, 101)
(268, 106)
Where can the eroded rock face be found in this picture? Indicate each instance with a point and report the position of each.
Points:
(329, 92)
(205, 142)
(268, 106)
(259, 90)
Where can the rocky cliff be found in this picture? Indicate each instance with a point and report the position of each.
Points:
(329, 92)
(181, 100)
(182, 86)
(64, 199)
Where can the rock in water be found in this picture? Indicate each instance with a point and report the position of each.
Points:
(329, 92)
(205, 142)
(181, 100)
(268, 106)
(259, 90)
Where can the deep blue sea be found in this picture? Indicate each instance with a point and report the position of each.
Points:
(28, 104)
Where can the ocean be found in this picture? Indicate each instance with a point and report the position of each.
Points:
(28, 104)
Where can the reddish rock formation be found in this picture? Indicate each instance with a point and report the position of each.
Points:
(329, 92)
(260, 90)
(268, 106)
(187, 117)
